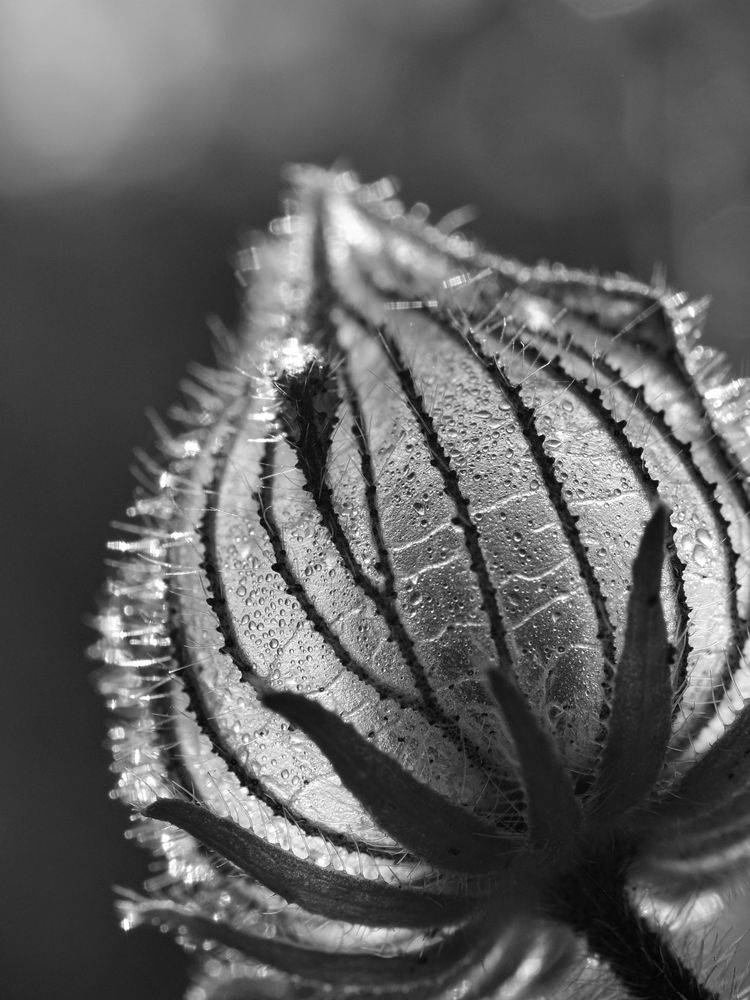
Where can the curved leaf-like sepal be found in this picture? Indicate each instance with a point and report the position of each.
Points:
(639, 726)
(722, 773)
(712, 855)
(324, 891)
(409, 811)
(528, 958)
(698, 838)
(341, 969)
(507, 953)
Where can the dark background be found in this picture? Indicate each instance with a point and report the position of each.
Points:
(139, 142)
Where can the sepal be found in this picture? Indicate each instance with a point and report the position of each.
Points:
(508, 952)
(640, 721)
(553, 814)
(453, 839)
(682, 862)
(324, 891)
(721, 774)
(698, 837)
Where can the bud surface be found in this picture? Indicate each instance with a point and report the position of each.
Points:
(427, 643)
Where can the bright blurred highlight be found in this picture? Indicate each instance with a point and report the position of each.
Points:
(114, 93)
(595, 9)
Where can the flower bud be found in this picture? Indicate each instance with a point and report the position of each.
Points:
(428, 644)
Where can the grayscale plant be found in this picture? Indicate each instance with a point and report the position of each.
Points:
(427, 639)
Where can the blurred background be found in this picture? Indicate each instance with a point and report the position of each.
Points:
(140, 142)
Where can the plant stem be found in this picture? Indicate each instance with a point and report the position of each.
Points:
(593, 899)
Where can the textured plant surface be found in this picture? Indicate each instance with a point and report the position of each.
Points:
(426, 639)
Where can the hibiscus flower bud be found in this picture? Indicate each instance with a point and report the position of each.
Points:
(427, 645)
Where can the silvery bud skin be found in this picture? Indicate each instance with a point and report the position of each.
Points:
(427, 643)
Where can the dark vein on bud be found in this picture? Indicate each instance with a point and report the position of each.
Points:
(206, 722)
(312, 452)
(526, 419)
(683, 450)
(201, 712)
(323, 329)
(559, 291)
(425, 705)
(545, 463)
(264, 500)
(162, 710)
(592, 399)
(232, 648)
(217, 602)
(308, 419)
(684, 453)
(362, 442)
(552, 811)
(441, 461)
(729, 462)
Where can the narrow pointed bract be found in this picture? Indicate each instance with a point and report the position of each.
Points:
(639, 725)
(427, 646)
(699, 835)
(340, 969)
(553, 814)
(723, 772)
(453, 839)
(320, 890)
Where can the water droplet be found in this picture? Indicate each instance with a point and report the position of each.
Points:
(703, 537)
